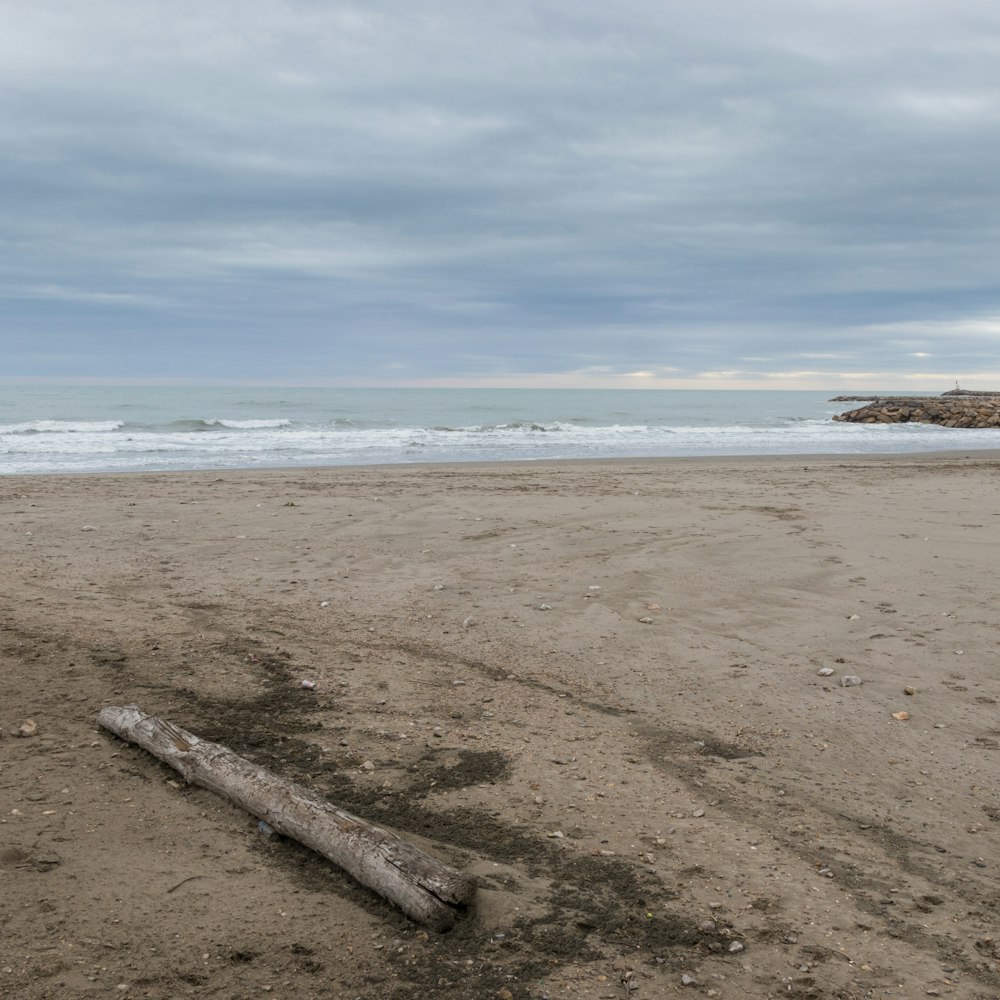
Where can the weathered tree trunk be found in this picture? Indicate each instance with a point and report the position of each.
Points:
(421, 886)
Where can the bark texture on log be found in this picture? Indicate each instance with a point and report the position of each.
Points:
(421, 886)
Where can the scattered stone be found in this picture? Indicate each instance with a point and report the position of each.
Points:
(28, 728)
(368, 766)
(555, 835)
(646, 621)
(959, 652)
(324, 604)
(687, 980)
(544, 607)
(307, 685)
(698, 813)
(439, 586)
(458, 684)
(850, 680)
(45, 861)
(901, 716)
(88, 527)
(737, 946)
(707, 926)
(909, 690)
(853, 618)
(652, 607)
(469, 622)
(825, 671)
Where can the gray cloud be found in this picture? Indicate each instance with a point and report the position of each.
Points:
(455, 190)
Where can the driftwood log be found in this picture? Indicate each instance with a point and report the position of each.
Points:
(421, 886)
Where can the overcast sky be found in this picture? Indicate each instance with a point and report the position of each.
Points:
(560, 192)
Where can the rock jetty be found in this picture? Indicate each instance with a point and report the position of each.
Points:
(953, 409)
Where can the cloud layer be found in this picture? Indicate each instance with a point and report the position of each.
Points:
(790, 193)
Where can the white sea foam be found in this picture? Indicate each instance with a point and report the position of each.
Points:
(62, 427)
(248, 425)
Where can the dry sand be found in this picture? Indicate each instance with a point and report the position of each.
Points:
(594, 685)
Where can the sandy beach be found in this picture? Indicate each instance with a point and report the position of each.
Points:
(595, 686)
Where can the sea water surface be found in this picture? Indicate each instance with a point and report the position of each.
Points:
(73, 428)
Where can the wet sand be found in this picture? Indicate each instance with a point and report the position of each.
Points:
(593, 685)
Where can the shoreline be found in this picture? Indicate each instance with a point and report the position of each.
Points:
(608, 689)
(943, 455)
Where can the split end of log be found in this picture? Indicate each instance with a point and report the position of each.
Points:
(423, 887)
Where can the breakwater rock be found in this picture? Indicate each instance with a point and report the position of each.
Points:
(979, 410)
(969, 392)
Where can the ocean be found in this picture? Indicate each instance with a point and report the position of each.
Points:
(74, 428)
